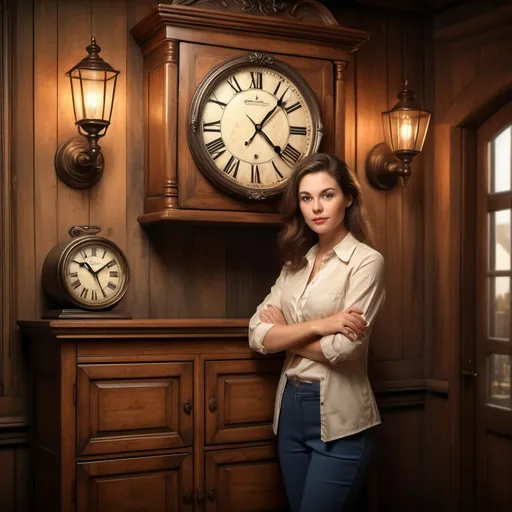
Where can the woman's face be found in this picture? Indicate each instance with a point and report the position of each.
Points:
(322, 203)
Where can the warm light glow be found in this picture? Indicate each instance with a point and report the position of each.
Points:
(405, 132)
(93, 95)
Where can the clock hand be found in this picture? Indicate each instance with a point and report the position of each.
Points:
(280, 102)
(86, 265)
(100, 269)
(99, 284)
(277, 149)
(247, 142)
(269, 113)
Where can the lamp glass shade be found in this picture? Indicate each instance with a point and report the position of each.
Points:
(405, 129)
(93, 94)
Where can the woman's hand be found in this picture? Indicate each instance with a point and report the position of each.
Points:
(348, 322)
(272, 315)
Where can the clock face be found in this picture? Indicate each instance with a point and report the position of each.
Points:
(254, 123)
(95, 274)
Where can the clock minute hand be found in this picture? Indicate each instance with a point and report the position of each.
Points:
(269, 113)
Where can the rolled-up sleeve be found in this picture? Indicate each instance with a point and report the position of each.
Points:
(366, 291)
(257, 328)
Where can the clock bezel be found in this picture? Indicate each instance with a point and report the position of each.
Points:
(203, 92)
(59, 256)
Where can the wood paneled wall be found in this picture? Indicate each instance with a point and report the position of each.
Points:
(208, 271)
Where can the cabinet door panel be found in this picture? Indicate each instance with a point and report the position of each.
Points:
(244, 480)
(153, 484)
(129, 407)
(240, 398)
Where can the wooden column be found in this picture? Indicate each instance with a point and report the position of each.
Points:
(339, 109)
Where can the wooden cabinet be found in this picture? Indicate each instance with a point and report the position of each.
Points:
(152, 415)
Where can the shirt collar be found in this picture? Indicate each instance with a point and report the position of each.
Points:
(343, 249)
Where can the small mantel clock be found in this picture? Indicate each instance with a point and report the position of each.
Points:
(86, 275)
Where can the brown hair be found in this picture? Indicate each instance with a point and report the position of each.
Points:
(296, 238)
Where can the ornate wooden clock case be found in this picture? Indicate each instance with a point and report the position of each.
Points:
(182, 43)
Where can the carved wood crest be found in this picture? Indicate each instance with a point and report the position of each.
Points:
(300, 10)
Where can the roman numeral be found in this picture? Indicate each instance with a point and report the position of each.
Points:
(233, 82)
(76, 284)
(84, 293)
(212, 127)
(281, 177)
(111, 263)
(216, 148)
(290, 155)
(255, 174)
(73, 274)
(293, 108)
(83, 254)
(104, 254)
(114, 273)
(220, 103)
(256, 80)
(93, 251)
(94, 295)
(298, 130)
(111, 285)
(232, 166)
(277, 88)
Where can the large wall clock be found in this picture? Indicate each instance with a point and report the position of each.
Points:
(233, 101)
(252, 119)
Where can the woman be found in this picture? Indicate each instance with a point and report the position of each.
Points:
(320, 311)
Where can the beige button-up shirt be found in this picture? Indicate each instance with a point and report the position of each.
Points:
(352, 274)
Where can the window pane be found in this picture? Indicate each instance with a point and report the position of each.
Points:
(499, 164)
(499, 307)
(498, 380)
(499, 240)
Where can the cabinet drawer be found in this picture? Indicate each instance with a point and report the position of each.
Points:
(244, 480)
(131, 407)
(153, 484)
(239, 400)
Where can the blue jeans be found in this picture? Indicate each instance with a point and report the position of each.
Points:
(318, 476)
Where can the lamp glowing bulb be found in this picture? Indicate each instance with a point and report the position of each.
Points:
(406, 131)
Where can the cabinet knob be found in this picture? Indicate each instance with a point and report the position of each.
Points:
(187, 407)
(212, 404)
(211, 494)
(200, 495)
(188, 495)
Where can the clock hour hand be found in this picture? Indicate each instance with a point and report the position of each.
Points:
(247, 142)
(85, 264)
(277, 149)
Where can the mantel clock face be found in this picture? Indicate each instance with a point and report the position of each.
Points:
(252, 119)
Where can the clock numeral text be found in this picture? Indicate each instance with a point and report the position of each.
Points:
(256, 80)
(83, 254)
(114, 273)
(84, 293)
(111, 263)
(73, 274)
(298, 130)
(216, 148)
(94, 295)
(293, 108)
(232, 166)
(281, 177)
(93, 251)
(212, 127)
(290, 155)
(76, 284)
(233, 82)
(255, 174)
(111, 285)
(276, 90)
(220, 103)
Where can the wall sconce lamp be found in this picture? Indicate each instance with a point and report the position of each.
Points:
(405, 129)
(78, 161)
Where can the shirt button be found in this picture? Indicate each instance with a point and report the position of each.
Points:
(321, 403)
(323, 378)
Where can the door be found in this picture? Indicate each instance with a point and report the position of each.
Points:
(162, 483)
(493, 321)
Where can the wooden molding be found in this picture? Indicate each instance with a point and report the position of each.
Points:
(242, 24)
(7, 230)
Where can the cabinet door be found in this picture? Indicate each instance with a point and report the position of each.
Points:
(239, 400)
(244, 480)
(152, 484)
(131, 407)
